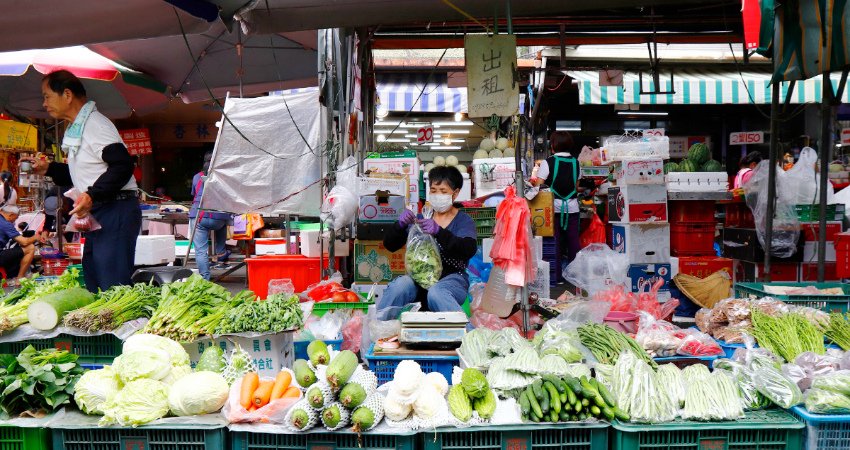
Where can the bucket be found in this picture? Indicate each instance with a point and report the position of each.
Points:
(625, 322)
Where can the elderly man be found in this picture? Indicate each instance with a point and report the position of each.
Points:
(18, 251)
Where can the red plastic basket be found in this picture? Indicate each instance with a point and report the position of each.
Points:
(842, 255)
(689, 239)
(54, 266)
(687, 211)
(738, 215)
(303, 271)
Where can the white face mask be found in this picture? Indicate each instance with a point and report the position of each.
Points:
(441, 202)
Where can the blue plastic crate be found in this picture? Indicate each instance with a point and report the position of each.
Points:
(384, 365)
(301, 347)
(824, 432)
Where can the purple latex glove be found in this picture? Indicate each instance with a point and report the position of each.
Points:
(429, 226)
(407, 218)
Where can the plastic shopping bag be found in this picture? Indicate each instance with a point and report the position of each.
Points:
(81, 224)
(422, 259)
(595, 232)
(274, 412)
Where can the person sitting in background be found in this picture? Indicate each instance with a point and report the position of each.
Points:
(747, 165)
(9, 194)
(18, 251)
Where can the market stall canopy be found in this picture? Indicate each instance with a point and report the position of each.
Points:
(118, 91)
(695, 87)
(267, 62)
(59, 23)
(401, 92)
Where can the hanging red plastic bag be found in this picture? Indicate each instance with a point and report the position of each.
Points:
(422, 259)
(595, 233)
(512, 251)
(80, 224)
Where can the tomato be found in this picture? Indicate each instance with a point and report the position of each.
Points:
(338, 297)
(351, 297)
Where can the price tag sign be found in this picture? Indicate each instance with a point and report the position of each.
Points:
(516, 440)
(134, 443)
(654, 132)
(746, 137)
(845, 136)
(425, 134)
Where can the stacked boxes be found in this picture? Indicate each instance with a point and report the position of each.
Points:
(692, 228)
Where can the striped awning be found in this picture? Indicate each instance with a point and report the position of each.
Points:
(400, 92)
(698, 87)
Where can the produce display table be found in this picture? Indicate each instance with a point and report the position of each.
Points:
(824, 432)
(25, 434)
(384, 362)
(276, 437)
(563, 436)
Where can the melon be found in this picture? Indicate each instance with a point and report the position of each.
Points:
(688, 166)
(502, 143)
(487, 144)
(461, 168)
(699, 154)
(439, 161)
(495, 153)
(428, 167)
(509, 152)
(670, 167)
(712, 166)
(480, 154)
(451, 160)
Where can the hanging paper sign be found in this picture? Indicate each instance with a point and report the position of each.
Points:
(425, 134)
(18, 136)
(138, 141)
(746, 137)
(751, 15)
(490, 69)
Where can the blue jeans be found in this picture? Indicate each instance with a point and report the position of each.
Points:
(202, 245)
(447, 295)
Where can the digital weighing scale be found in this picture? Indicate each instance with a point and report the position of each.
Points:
(433, 329)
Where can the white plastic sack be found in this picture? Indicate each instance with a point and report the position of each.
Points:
(786, 227)
(800, 184)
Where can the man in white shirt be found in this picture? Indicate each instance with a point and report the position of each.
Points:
(101, 170)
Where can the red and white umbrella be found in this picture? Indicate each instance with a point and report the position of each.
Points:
(117, 90)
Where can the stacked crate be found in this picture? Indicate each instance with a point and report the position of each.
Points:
(692, 227)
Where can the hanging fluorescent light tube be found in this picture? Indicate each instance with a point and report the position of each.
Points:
(642, 113)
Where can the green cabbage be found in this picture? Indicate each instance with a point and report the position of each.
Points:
(152, 363)
(177, 373)
(198, 393)
(95, 388)
(147, 341)
(139, 402)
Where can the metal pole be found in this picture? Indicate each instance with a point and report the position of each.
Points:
(825, 158)
(520, 192)
(771, 178)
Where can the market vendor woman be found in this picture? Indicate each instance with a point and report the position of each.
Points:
(455, 234)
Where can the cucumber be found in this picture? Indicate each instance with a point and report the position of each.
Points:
(553, 416)
(620, 414)
(577, 407)
(605, 393)
(564, 416)
(566, 407)
(537, 388)
(534, 418)
(535, 407)
(571, 396)
(595, 410)
(573, 418)
(563, 398)
(574, 385)
(554, 397)
(585, 402)
(555, 382)
(545, 404)
(608, 413)
(524, 404)
(582, 416)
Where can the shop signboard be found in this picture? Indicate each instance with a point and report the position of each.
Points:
(18, 136)
(746, 137)
(845, 136)
(138, 141)
(491, 64)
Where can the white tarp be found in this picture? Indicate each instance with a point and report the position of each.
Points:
(274, 163)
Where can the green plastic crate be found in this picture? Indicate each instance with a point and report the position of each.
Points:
(340, 440)
(567, 436)
(811, 213)
(142, 438)
(772, 429)
(18, 438)
(101, 349)
(828, 303)
(319, 309)
(480, 213)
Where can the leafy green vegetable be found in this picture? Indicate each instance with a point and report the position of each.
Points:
(13, 312)
(561, 343)
(189, 309)
(787, 335)
(751, 398)
(819, 401)
(138, 403)
(198, 393)
(95, 388)
(422, 258)
(143, 341)
(770, 381)
(152, 363)
(279, 312)
(37, 380)
(473, 347)
(606, 344)
(839, 330)
(115, 306)
(834, 382)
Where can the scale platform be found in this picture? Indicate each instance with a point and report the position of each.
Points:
(433, 329)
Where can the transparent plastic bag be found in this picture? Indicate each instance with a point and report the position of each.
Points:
(696, 343)
(800, 184)
(352, 332)
(580, 313)
(751, 398)
(329, 326)
(596, 268)
(79, 224)
(786, 226)
(281, 286)
(618, 298)
(585, 157)
(638, 391)
(819, 401)
(274, 412)
(838, 381)
(339, 208)
(657, 337)
(773, 384)
(422, 258)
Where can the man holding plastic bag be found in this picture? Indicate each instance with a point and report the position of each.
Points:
(106, 206)
(438, 250)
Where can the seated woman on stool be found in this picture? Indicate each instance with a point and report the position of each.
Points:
(456, 237)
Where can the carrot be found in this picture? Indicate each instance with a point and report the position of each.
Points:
(252, 408)
(281, 382)
(263, 393)
(249, 384)
(292, 391)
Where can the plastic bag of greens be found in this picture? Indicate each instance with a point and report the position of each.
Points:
(751, 398)
(819, 401)
(671, 377)
(834, 382)
(639, 392)
(770, 381)
(422, 258)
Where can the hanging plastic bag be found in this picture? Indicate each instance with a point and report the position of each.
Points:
(82, 224)
(422, 259)
(339, 208)
(585, 158)
(512, 249)
(274, 412)
(595, 232)
(596, 268)
(800, 184)
(786, 226)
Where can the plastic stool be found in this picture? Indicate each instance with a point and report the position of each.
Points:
(161, 275)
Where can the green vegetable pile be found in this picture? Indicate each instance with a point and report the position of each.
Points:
(568, 399)
(787, 335)
(115, 306)
(711, 396)
(606, 344)
(13, 307)
(37, 381)
(422, 258)
(279, 312)
(639, 392)
(839, 330)
(472, 394)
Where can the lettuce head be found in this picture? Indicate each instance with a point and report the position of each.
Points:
(95, 388)
(139, 402)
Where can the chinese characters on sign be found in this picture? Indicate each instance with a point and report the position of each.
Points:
(18, 136)
(490, 68)
(138, 141)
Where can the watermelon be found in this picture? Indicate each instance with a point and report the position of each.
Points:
(670, 167)
(699, 154)
(688, 166)
(712, 166)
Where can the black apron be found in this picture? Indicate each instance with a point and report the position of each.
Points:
(564, 187)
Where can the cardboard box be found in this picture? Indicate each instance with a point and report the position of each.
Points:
(380, 208)
(373, 231)
(750, 272)
(809, 272)
(373, 263)
(394, 184)
(811, 231)
(643, 243)
(398, 163)
(543, 214)
(743, 244)
(492, 175)
(637, 203)
(810, 252)
(270, 351)
(650, 171)
(644, 276)
(703, 266)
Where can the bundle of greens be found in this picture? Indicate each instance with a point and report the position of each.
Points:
(422, 258)
(751, 398)
(787, 335)
(37, 381)
(189, 309)
(606, 344)
(279, 312)
(711, 396)
(639, 391)
(830, 394)
(839, 330)
(115, 306)
(771, 383)
(13, 309)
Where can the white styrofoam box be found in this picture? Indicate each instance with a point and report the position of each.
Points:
(492, 175)
(395, 186)
(272, 246)
(810, 252)
(697, 182)
(311, 249)
(487, 245)
(154, 250)
(674, 266)
(618, 148)
(180, 249)
(645, 171)
(540, 285)
(465, 191)
(365, 288)
(645, 243)
(269, 351)
(408, 166)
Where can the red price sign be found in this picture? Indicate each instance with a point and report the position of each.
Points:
(746, 137)
(654, 132)
(425, 134)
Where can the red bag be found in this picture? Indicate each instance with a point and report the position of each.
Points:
(595, 233)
